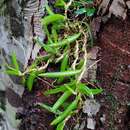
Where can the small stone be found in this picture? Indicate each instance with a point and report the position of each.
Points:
(91, 107)
(129, 66)
(128, 4)
(103, 118)
(117, 8)
(93, 53)
(76, 127)
(91, 123)
(80, 126)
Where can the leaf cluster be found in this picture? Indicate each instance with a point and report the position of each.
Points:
(80, 7)
(60, 48)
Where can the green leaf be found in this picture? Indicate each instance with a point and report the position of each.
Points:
(64, 63)
(11, 68)
(61, 100)
(80, 11)
(58, 25)
(96, 91)
(87, 91)
(58, 89)
(50, 12)
(90, 11)
(70, 89)
(52, 18)
(43, 58)
(46, 47)
(80, 64)
(64, 114)
(66, 41)
(30, 80)
(60, 74)
(47, 33)
(70, 39)
(63, 67)
(12, 72)
(50, 49)
(55, 90)
(59, 3)
(14, 61)
(60, 126)
(44, 106)
(54, 34)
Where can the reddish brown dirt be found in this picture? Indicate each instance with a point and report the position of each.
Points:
(33, 117)
(114, 74)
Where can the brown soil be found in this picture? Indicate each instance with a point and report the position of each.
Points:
(114, 74)
(33, 117)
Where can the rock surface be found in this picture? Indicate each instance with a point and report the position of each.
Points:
(115, 7)
(16, 35)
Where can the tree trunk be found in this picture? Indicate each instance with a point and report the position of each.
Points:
(17, 29)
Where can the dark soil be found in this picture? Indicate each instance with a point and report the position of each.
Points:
(33, 117)
(114, 73)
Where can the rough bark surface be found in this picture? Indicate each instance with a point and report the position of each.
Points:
(19, 23)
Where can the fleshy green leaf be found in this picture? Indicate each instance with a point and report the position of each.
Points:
(55, 90)
(43, 58)
(47, 33)
(63, 67)
(61, 125)
(61, 100)
(30, 80)
(70, 89)
(50, 12)
(61, 88)
(60, 3)
(60, 74)
(52, 18)
(64, 63)
(50, 49)
(68, 40)
(54, 34)
(87, 91)
(90, 11)
(44, 106)
(58, 25)
(46, 47)
(64, 114)
(12, 72)
(14, 61)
